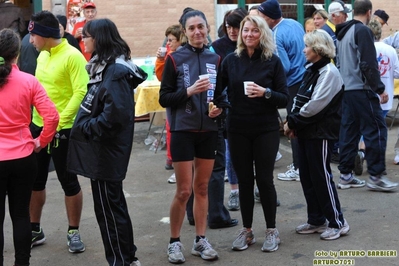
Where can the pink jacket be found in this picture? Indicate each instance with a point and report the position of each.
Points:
(16, 98)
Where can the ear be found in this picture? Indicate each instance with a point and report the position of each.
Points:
(370, 12)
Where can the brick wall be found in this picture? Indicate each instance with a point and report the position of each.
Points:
(142, 23)
(391, 7)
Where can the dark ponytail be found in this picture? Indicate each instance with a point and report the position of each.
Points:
(10, 43)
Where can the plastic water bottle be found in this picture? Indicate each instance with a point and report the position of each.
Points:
(149, 68)
(154, 145)
(149, 140)
(148, 61)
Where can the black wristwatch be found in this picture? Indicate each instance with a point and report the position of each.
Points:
(268, 93)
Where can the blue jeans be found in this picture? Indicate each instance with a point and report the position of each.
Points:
(362, 115)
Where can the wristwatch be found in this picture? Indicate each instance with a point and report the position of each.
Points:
(268, 93)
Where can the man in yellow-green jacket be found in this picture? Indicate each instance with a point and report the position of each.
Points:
(61, 71)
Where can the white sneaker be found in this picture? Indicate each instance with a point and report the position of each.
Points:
(244, 239)
(175, 254)
(335, 233)
(204, 249)
(135, 263)
(396, 160)
(172, 179)
(310, 228)
(381, 184)
(272, 240)
(354, 182)
(278, 156)
(290, 175)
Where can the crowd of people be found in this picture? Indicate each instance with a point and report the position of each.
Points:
(221, 99)
(314, 96)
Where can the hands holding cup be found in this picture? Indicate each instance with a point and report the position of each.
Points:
(161, 52)
(246, 83)
(253, 90)
(201, 85)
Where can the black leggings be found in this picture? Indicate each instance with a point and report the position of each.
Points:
(261, 148)
(69, 182)
(16, 180)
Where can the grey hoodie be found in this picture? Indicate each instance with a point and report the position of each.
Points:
(356, 57)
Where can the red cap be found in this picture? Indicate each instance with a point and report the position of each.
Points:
(89, 5)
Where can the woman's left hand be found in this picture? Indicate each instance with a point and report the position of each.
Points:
(288, 132)
(254, 90)
(215, 112)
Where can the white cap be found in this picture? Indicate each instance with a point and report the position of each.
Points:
(338, 6)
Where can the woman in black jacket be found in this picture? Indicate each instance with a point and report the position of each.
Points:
(102, 135)
(252, 123)
(315, 121)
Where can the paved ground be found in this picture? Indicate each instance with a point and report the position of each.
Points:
(373, 218)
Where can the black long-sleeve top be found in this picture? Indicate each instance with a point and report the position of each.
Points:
(253, 114)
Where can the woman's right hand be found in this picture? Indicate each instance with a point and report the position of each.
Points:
(78, 33)
(160, 54)
(199, 86)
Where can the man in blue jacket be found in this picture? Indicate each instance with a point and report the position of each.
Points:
(288, 36)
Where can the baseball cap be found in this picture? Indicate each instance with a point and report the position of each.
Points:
(89, 5)
(338, 6)
(382, 14)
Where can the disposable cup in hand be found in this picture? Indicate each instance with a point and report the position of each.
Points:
(163, 51)
(246, 83)
(204, 76)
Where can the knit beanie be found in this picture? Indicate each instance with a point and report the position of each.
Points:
(62, 20)
(270, 8)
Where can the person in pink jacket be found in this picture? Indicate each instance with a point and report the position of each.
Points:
(18, 92)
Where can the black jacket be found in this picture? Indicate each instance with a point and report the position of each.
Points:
(72, 41)
(316, 112)
(253, 114)
(102, 136)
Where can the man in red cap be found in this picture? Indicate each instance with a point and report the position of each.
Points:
(90, 12)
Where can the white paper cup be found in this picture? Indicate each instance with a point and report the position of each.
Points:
(245, 86)
(204, 76)
(163, 51)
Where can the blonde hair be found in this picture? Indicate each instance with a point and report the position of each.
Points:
(321, 42)
(309, 23)
(375, 27)
(266, 43)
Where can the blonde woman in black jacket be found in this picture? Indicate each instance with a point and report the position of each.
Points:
(252, 123)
